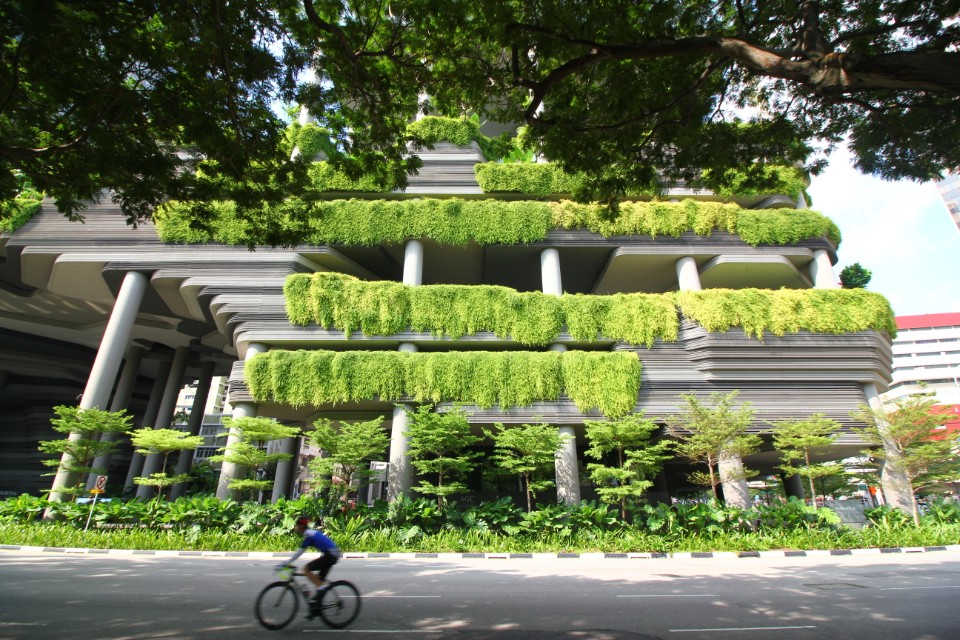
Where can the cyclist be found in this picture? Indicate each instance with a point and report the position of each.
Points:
(316, 570)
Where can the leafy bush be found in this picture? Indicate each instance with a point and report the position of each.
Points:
(14, 213)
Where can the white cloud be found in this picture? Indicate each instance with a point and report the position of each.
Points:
(901, 231)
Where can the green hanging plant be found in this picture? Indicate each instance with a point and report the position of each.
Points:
(759, 311)
(608, 381)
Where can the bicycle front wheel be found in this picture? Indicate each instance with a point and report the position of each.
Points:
(277, 605)
(340, 604)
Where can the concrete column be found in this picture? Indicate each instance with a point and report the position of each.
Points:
(168, 404)
(792, 486)
(566, 472)
(413, 263)
(735, 490)
(400, 471)
(230, 470)
(185, 459)
(688, 276)
(821, 271)
(568, 476)
(149, 418)
(550, 272)
(281, 480)
(105, 366)
(121, 398)
(896, 485)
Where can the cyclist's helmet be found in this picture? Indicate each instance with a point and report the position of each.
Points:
(303, 520)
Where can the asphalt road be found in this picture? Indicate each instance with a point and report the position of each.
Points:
(861, 597)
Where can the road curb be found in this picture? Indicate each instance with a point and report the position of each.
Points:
(654, 555)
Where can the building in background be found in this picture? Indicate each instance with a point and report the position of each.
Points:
(926, 356)
(949, 189)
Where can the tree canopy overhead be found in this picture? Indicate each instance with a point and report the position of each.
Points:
(102, 95)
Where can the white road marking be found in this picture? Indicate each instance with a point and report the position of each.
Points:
(809, 626)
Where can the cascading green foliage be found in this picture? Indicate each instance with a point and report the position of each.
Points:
(334, 300)
(309, 139)
(359, 222)
(433, 129)
(324, 177)
(634, 318)
(759, 311)
(608, 381)
(531, 178)
(546, 178)
(754, 226)
(784, 226)
(14, 213)
(370, 222)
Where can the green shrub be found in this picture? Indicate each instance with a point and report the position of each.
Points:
(531, 178)
(14, 213)
(324, 177)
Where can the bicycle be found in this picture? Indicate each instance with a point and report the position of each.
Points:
(338, 603)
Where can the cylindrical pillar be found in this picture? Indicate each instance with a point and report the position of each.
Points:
(688, 276)
(168, 404)
(734, 480)
(821, 271)
(281, 480)
(400, 471)
(231, 470)
(121, 397)
(567, 474)
(550, 272)
(792, 486)
(105, 366)
(896, 485)
(413, 263)
(185, 460)
(149, 418)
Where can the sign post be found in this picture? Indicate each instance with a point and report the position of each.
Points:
(96, 491)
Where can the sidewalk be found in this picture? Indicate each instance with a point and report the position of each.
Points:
(498, 556)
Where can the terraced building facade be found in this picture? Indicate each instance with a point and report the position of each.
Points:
(521, 307)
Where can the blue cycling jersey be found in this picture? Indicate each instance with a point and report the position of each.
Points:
(319, 541)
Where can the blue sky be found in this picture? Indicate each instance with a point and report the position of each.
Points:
(901, 231)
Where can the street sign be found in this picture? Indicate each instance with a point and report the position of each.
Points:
(96, 492)
(101, 483)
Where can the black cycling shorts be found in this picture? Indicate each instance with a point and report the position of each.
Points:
(322, 564)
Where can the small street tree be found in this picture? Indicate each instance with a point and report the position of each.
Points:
(527, 451)
(349, 450)
(854, 276)
(84, 428)
(163, 442)
(714, 433)
(799, 440)
(908, 437)
(438, 443)
(636, 459)
(249, 451)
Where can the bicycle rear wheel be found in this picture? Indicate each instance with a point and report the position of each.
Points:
(339, 605)
(277, 605)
